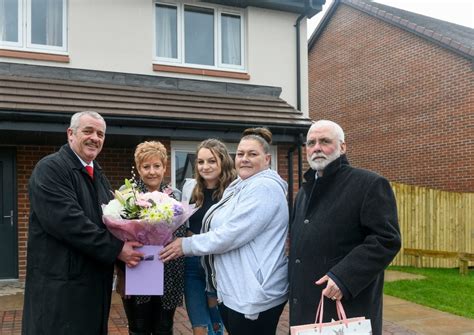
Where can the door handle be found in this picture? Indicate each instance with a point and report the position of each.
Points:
(10, 216)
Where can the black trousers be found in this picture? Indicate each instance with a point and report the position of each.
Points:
(149, 317)
(236, 323)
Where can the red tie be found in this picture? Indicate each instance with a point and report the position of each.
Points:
(90, 171)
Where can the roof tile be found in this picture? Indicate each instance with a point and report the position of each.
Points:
(455, 44)
(404, 22)
(420, 29)
(446, 40)
(437, 36)
(428, 32)
(58, 95)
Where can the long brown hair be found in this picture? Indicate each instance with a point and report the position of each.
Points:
(228, 173)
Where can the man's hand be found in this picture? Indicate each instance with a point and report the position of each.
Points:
(331, 291)
(129, 255)
(172, 251)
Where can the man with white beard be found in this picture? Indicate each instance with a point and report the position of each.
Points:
(343, 234)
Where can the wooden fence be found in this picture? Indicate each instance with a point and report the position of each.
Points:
(434, 220)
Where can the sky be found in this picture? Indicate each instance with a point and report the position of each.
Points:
(455, 11)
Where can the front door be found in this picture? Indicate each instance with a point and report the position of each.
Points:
(8, 222)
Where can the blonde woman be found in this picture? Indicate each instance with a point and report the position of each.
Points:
(154, 314)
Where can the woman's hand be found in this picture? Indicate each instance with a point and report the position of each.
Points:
(172, 251)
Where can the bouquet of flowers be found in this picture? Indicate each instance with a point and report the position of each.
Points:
(149, 218)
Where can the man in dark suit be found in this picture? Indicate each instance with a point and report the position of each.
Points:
(344, 233)
(71, 254)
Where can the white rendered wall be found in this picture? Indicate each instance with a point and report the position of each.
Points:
(272, 52)
(118, 36)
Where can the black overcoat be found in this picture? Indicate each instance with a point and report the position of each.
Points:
(344, 223)
(70, 252)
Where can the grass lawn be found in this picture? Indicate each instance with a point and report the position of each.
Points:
(443, 289)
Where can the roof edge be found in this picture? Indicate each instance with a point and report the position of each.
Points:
(54, 123)
(322, 24)
(372, 10)
(308, 8)
(137, 80)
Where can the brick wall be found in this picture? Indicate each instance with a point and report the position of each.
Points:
(406, 104)
(283, 164)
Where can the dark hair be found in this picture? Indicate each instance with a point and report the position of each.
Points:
(228, 173)
(261, 135)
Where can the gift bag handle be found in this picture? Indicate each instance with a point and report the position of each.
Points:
(341, 314)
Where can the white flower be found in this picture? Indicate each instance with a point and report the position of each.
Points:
(114, 209)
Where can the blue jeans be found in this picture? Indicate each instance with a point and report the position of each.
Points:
(199, 312)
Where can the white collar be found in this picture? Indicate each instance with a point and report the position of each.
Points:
(91, 164)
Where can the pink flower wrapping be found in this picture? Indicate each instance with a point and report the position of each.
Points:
(149, 218)
(146, 232)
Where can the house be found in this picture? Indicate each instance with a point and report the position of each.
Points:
(177, 71)
(402, 86)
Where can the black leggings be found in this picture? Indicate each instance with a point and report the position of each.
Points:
(149, 317)
(236, 323)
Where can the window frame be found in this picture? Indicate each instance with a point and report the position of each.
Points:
(20, 25)
(183, 39)
(190, 147)
(168, 60)
(242, 42)
(24, 35)
(217, 15)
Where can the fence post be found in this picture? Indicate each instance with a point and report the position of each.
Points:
(463, 266)
(418, 261)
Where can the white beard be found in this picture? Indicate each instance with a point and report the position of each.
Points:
(322, 160)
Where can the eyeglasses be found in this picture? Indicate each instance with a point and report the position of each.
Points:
(322, 142)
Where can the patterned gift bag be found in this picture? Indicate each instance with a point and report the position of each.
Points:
(343, 326)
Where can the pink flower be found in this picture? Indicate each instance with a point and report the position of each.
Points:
(143, 202)
(168, 190)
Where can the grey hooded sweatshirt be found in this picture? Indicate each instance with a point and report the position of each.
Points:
(247, 237)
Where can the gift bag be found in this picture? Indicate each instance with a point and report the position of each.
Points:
(359, 325)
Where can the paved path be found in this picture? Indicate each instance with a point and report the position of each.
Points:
(10, 322)
(400, 317)
(424, 320)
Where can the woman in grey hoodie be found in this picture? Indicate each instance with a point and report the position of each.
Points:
(247, 231)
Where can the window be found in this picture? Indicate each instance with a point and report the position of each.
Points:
(33, 25)
(183, 155)
(205, 37)
(198, 35)
(230, 39)
(166, 31)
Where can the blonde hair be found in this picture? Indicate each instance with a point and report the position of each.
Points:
(228, 173)
(148, 149)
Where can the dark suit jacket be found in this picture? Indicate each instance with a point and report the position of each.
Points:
(70, 252)
(344, 223)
